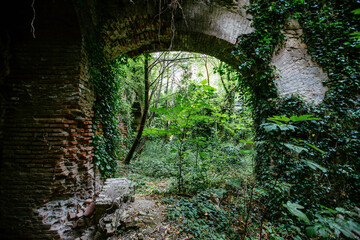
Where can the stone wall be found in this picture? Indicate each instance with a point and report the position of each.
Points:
(199, 26)
(298, 74)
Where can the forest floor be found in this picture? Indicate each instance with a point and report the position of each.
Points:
(151, 222)
(212, 204)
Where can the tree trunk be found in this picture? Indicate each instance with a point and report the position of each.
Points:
(143, 119)
(207, 70)
(141, 147)
(167, 123)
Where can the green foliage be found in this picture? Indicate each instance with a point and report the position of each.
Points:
(154, 162)
(195, 125)
(331, 23)
(106, 144)
(202, 218)
(295, 210)
(318, 158)
(117, 85)
(110, 108)
(329, 223)
(299, 159)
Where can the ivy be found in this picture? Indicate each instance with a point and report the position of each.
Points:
(328, 26)
(107, 139)
(107, 143)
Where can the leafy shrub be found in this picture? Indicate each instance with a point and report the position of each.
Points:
(203, 218)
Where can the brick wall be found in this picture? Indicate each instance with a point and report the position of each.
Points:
(47, 128)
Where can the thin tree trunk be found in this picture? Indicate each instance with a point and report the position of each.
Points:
(207, 70)
(157, 99)
(143, 119)
(222, 80)
(141, 147)
(167, 123)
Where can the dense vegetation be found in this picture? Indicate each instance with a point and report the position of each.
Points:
(246, 163)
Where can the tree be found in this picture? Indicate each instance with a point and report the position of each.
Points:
(144, 114)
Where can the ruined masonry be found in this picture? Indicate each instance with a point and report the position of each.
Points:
(48, 180)
(76, 218)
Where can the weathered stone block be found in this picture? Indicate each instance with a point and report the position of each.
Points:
(115, 193)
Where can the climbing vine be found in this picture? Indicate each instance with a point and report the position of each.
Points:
(107, 138)
(327, 32)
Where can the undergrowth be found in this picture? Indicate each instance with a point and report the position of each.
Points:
(213, 205)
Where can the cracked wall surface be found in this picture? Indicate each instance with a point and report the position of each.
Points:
(298, 74)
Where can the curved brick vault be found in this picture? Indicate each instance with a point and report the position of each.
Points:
(47, 99)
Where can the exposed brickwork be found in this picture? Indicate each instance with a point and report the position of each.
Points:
(212, 28)
(47, 132)
(299, 75)
(201, 27)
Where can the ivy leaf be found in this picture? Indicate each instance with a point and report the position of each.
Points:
(311, 231)
(203, 82)
(356, 11)
(247, 151)
(295, 148)
(281, 118)
(324, 232)
(306, 117)
(268, 127)
(294, 209)
(314, 165)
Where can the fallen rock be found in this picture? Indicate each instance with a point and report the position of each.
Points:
(140, 215)
(115, 193)
(110, 223)
(80, 214)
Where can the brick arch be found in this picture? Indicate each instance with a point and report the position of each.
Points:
(220, 49)
(208, 28)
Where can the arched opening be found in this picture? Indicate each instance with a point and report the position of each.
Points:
(194, 27)
(192, 98)
(198, 129)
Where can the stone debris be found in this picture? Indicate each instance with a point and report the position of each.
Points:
(115, 193)
(90, 209)
(115, 209)
(63, 216)
(140, 215)
(76, 218)
(113, 199)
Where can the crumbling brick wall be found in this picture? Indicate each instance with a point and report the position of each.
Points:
(47, 126)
